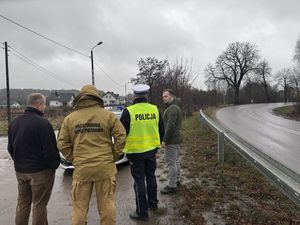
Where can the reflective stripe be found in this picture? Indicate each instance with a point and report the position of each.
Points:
(144, 129)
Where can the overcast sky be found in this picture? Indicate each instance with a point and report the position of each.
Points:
(195, 30)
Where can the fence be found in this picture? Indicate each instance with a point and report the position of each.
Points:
(282, 177)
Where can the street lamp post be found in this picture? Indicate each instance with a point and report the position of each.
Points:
(92, 61)
(126, 91)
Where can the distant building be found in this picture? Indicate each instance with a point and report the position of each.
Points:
(122, 100)
(110, 98)
(57, 99)
(3, 104)
(16, 105)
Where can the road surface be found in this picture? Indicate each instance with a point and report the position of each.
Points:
(273, 135)
(60, 205)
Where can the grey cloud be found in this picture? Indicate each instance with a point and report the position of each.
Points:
(198, 30)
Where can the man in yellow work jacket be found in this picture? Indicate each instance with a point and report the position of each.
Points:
(144, 128)
(85, 139)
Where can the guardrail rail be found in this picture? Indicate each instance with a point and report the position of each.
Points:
(286, 180)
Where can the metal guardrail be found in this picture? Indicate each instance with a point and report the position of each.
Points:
(286, 180)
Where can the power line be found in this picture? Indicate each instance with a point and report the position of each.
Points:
(38, 67)
(44, 37)
(55, 42)
(195, 77)
(42, 70)
(107, 75)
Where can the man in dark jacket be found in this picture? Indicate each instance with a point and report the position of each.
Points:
(144, 128)
(171, 141)
(32, 146)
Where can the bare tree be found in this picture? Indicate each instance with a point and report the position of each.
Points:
(262, 77)
(237, 61)
(295, 81)
(297, 52)
(151, 70)
(178, 75)
(283, 78)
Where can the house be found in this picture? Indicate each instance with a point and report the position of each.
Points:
(57, 99)
(3, 104)
(15, 105)
(110, 98)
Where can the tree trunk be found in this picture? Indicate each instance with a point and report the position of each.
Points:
(285, 94)
(236, 96)
(267, 93)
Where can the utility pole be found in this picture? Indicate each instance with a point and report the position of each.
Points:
(125, 94)
(7, 84)
(92, 61)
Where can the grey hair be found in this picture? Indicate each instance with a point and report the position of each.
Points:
(35, 98)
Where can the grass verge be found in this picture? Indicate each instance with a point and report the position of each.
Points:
(55, 122)
(230, 193)
(3, 127)
(288, 112)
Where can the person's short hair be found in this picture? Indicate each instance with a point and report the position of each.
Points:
(145, 95)
(172, 93)
(35, 98)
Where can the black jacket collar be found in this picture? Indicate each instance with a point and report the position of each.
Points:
(30, 109)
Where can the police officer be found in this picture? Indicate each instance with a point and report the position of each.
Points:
(144, 128)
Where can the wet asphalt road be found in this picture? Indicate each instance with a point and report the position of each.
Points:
(59, 207)
(275, 136)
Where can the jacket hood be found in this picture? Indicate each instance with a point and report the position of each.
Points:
(87, 97)
(176, 101)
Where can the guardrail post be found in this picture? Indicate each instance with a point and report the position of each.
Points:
(201, 122)
(221, 147)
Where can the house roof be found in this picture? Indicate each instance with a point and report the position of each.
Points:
(112, 94)
(60, 96)
(3, 102)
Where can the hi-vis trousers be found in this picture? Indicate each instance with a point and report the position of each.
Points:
(105, 193)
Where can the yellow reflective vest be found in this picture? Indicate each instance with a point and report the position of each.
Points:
(144, 129)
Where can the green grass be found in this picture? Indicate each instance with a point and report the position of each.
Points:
(233, 190)
(3, 127)
(55, 122)
(288, 112)
(284, 109)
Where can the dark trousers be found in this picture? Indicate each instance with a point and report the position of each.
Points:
(145, 197)
(35, 189)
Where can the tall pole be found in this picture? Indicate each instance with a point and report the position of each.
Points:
(92, 62)
(7, 84)
(125, 94)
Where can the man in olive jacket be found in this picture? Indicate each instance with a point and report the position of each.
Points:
(85, 139)
(172, 118)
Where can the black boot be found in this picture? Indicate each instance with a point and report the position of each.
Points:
(168, 190)
(135, 216)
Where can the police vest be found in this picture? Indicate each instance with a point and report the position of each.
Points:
(144, 129)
